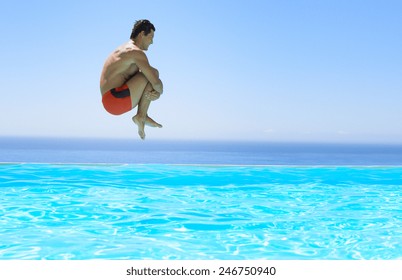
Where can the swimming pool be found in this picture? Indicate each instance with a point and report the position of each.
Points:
(151, 211)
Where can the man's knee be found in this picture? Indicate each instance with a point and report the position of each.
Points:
(156, 72)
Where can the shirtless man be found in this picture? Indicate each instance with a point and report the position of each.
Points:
(128, 80)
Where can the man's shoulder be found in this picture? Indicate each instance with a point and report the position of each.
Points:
(131, 50)
(129, 47)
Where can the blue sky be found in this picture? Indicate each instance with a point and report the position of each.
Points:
(322, 71)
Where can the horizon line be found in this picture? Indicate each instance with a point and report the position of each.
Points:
(205, 140)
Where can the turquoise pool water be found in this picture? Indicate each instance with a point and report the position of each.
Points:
(157, 211)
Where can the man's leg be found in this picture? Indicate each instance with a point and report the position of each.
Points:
(138, 86)
(141, 119)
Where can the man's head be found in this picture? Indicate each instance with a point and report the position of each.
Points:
(143, 33)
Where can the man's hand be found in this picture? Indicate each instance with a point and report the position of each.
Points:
(152, 95)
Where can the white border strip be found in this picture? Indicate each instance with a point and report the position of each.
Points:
(214, 269)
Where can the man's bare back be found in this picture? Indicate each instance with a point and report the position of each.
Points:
(128, 80)
(119, 67)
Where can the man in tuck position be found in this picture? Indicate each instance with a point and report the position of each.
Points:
(128, 80)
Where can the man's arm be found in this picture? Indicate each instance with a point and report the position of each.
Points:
(142, 62)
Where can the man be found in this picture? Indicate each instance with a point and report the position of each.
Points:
(127, 79)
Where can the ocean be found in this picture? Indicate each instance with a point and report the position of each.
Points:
(134, 151)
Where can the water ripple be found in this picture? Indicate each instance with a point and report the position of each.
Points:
(199, 212)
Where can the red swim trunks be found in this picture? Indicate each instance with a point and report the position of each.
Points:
(117, 101)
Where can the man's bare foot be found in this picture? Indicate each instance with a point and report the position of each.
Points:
(150, 122)
(140, 122)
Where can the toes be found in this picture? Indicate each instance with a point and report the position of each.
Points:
(141, 133)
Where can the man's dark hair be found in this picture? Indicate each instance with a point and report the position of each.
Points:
(142, 25)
